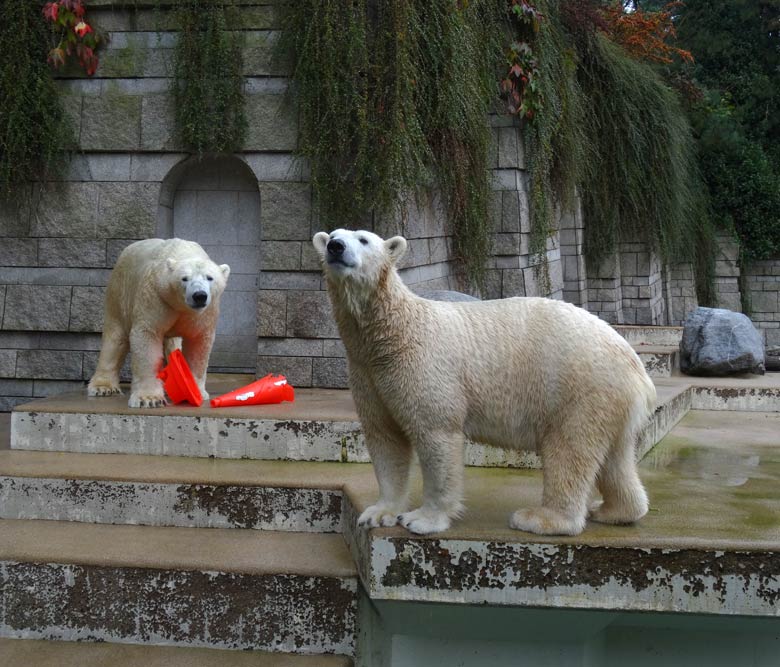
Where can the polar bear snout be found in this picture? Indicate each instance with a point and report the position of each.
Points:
(336, 248)
(200, 299)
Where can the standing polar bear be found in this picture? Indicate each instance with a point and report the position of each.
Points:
(159, 290)
(530, 373)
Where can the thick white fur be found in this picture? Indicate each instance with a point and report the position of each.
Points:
(149, 305)
(530, 373)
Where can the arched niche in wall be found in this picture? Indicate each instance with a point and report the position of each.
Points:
(215, 201)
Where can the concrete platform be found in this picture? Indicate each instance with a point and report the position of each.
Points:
(36, 653)
(710, 544)
(660, 361)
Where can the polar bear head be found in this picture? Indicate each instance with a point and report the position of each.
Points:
(196, 282)
(357, 256)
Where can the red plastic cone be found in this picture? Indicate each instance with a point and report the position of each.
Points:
(270, 389)
(178, 381)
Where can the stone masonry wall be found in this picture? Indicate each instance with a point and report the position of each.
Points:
(130, 180)
(762, 281)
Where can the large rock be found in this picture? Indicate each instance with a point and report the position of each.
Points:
(720, 342)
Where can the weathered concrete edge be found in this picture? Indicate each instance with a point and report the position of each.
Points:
(139, 605)
(742, 399)
(665, 418)
(309, 510)
(574, 576)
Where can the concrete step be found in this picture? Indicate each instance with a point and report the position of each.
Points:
(233, 589)
(650, 335)
(321, 425)
(37, 653)
(174, 491)
(661, 361)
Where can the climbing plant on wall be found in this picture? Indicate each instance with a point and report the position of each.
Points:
(33, 128)
(394, 96)
(208, 83)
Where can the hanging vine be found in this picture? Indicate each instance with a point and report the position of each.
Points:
(392, 97)
(34, 133)
(208, 85)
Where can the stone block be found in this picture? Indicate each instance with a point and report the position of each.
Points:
(271, 123)
(289, 347)
(37, 308)
(99, 167)
(309, 315)
(49, 364)
(153, 167)
(260, 57)
(509, 150)
(158, 130)
(44, 388)
(271, 313)
(19, 252)
(7, 363)
(111, 122)
(764, 302)
(333, 348)
(285, 211)
(72, 253)
(297, 370)
(280, 255)
(643, 264)
(729, 301)
(289, 280)
(276, 167)
(512, 283)
(330, 373)
(13, 387)
(15, 213)
(128, 210)
(86, 309)
(66, 210)
(506, 244)
(628, 263)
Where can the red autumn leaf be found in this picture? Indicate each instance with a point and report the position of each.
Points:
(50, 10)
(82, 28)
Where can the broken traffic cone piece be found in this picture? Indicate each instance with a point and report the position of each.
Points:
(270, 389)
(178, 381)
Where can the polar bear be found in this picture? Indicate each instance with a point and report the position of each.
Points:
(530, 373)
(159, 290)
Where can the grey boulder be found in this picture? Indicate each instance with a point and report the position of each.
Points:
(720, 342)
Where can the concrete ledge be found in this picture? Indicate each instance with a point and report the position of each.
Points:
(227, 589)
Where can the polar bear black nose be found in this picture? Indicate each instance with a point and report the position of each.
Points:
(200, 298)
(336, 247)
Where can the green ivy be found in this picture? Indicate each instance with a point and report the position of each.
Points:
(394, 97)
(208, 83)
(34, 132)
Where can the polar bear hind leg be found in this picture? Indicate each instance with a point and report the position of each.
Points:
(571, 460)
(113, 350)
(624, 497)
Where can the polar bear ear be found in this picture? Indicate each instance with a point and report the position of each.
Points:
(225, 270)
(170, 263)
(320, 242)
(396, 247)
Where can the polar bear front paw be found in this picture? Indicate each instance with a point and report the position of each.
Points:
(147, 401)
(424, 521)
(103, 390)
(379, 515)
(546, 521)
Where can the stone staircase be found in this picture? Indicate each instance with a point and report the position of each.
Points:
(177, 531)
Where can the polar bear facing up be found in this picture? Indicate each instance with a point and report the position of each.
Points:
(530, 373)
(159, 290)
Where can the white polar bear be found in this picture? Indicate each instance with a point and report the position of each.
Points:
(530, 373)
(159, 290)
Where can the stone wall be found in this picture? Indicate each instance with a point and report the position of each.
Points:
(131, 180)
(762, 280)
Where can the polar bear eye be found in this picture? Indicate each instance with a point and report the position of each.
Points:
(185, 279)
(209, 278)
(363, 240)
